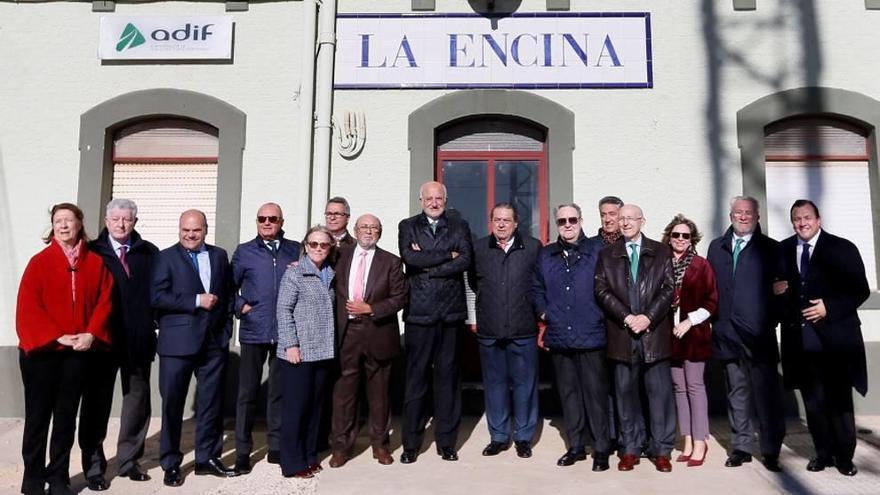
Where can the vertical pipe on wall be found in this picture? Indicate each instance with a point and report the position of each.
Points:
(324, 108)
(303, 152)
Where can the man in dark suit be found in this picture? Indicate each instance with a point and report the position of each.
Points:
(436, 247)
(192, 295)
(130, 259)
(634, 285)
(823, 353)
(370, 290)
(336, 216)
(746, 264)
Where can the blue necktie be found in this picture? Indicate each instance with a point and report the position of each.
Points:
(805, 261)
(194, 256)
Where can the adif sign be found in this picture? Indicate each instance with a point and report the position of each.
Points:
(165, 38)
(542, 50)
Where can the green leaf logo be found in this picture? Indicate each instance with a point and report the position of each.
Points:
(130, 38)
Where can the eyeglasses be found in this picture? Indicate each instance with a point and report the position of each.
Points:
(369, 227)
(271, 219)
(316, 245)
(560, 222)
(629, 219)
(684, 235)
(335, 214)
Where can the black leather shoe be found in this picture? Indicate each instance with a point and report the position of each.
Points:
(214, 468)
(571, 457)
(173, 477)
(242, 464)
(523, 449)
(600, 462)
(447, 453)
(97, 483)
(495, 448)
(274, 457)
(135, 474)
(847, 468)
(409, 456)
(817, 464)
(771, 463)
(737, 458)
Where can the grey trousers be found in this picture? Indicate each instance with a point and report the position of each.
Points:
(753, 390)
(690, 399)
(661, 405)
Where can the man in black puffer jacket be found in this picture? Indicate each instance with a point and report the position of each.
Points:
(435, 245)
(504, 263)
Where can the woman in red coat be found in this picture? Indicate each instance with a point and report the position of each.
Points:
(694, 302)
(63, 310)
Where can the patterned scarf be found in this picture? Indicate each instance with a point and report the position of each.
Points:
(609, 238)
(72, 255)
(679, 266)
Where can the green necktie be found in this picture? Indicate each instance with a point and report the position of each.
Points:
(737, 248)
(634, 261)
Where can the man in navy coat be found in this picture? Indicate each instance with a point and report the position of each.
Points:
(191, 294)
(823, 353)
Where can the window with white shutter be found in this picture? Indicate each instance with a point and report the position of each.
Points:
(824, 160)
(166, 166)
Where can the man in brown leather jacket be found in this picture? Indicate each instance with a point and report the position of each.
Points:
(634, 286)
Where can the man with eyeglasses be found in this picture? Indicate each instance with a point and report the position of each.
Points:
(370, 290)
(562, 291)
(436, 247)
(130, 259)
(336, 215)
(501, 278)
(746, 264)
(257, 268)
(634, 285)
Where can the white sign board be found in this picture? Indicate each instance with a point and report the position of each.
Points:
(165, 38)
(459, 51)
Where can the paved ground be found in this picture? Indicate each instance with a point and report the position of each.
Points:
(505, 474)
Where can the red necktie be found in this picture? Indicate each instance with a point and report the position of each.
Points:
(122, 255)
(359, 277)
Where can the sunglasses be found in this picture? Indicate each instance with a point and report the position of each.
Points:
(684, 235)
(560, 222)
(316, 245)
(271, 219)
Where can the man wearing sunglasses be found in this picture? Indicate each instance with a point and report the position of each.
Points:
(336, 216)
(436, 247)
(257, 268)
(634, 285)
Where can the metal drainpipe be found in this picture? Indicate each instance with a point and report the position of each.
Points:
(324, 109)
(307, 118)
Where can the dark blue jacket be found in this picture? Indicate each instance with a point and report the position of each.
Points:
(747, 309)
(256, 276)
(563, 292)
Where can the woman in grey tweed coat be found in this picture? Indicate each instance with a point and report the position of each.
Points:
(306, 351)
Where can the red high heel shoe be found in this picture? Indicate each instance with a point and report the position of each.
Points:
(682, 458)
(698, 462)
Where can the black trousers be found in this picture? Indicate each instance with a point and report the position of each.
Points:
(582, 380)
(753, 390)
(431, 367)
(52, 388)
(175, 373)
(827, 394)
(657, 378)
(94, 413)
(305, 387)
(134, 420)
(250, 378)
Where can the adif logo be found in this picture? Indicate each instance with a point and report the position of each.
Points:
(130, 38)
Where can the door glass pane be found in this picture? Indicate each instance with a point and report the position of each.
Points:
(466, 185)
(516, 182)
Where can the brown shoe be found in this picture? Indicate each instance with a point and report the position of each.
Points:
(338, 459)
(627, 462)
(383, 456)
(661, 462)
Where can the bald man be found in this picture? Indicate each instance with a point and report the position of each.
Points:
(634, 285)
(191, 295)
